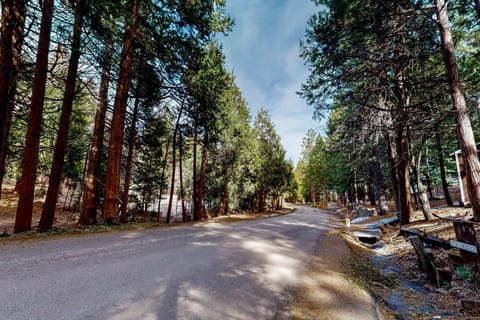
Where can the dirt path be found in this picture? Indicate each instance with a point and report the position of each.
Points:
(328, 291)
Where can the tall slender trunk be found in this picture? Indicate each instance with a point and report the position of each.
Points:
(441, 164)
(370, 179)
(172, 183)
(23, 218)
(114, 164)
(194, 178)
(201, 183)
(48, 211)
(355, 186)
(403, 173)
(261, 199)
(464, 127)
(427, 174)
(6, 60)
(11, 30)
(224, 196)
(403, 176)
(365, 191)
(379, 188)
(392, 160)
(182, 190)
(422, 191)
(162, 177)
(88, 215)
(174, 164)
(131, 147)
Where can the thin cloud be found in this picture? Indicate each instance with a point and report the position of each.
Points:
(262, 50)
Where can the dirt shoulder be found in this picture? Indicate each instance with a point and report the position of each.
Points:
(330, 290)
(347, 274)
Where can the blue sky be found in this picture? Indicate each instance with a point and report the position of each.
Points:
(263, 53)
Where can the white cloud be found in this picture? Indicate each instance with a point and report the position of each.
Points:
(262, 50)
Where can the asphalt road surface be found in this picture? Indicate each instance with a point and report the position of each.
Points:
(242, 270)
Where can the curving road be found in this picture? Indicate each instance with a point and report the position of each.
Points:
(244, 270)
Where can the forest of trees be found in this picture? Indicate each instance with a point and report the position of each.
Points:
(397, 81)
(130, 100)
(120, 98)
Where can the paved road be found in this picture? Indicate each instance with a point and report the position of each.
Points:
(244, 270)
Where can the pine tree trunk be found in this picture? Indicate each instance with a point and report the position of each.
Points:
(114, 164)
(422, 191)
(261, 199)
(4, 144)
(403, 173)
(403, 176)
(464, 127)
(128, 170)
(174, 160)
(429, 182)
(23, 218)
(11, 30)
(365, 191)
(224, 196)
(201, 182)
(160, 192)
(182, 190)
(441, 164)
(379, 188)
(172, 182)
(194, 178)
(354, 187)
(48, 211)
(370, 182)
(392, 156)
(88, 215)
(6, 61)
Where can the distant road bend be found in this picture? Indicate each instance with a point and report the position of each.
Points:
(242, 270)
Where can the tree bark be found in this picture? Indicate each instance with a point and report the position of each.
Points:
(366, 198)
(128, 170)
(224, 196)
(379, 188)
(172, 183)
(88, 215)
(354, 186)
(11, 30)
(313, 197)
(403, 173)
(369, 180)
(174, 160)
(441, 164)
(182, 190)
(422, 191)
(464, 128)
(392, 159)
(23, 218)
(194, 178)
(160, 192)
(48, 211)
(201, 183)
(261, 199)
(112, 183)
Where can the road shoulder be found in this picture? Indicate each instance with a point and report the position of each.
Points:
(329, 290)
